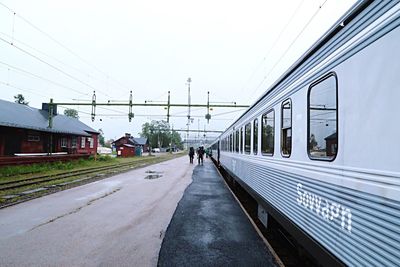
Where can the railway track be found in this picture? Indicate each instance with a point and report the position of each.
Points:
(52, 177)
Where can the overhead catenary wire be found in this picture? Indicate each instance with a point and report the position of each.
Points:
(41, 78)
(50, 65)
(274, 44)
(20, 88)
(44, 54)
(64, 47)
(289, 47)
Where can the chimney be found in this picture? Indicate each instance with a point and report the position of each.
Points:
(127, 135)
(45, 107)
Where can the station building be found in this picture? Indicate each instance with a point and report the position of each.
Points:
(24, 131)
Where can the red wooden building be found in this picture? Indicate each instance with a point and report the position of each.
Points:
(24, 130)
(127, 145)
(126, 150)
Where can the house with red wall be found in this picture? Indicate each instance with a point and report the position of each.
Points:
(127, 144)
(25, 130)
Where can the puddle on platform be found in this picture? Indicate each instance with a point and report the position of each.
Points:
(153, 176)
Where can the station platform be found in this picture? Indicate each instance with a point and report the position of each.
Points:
(209, 228)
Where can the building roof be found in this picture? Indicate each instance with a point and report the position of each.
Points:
(24, 116)
(331, 137)
(128, 145)
(140, 140)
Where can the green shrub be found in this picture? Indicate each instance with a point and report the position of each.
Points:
(105, 158)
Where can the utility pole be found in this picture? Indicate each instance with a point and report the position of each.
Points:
(93, 105)
(130, 114)
(168, 105)
(50, 145)
(198, 128)
(208, 116)
(189, 80)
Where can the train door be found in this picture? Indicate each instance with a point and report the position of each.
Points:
(218, 151)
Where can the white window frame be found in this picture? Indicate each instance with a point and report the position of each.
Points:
(91, 142)
(64, 142)
(83, 142)
(33, 138)
(74, 142)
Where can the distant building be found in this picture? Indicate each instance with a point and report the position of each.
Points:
(24, 130)
(104, 150)
(127, 145)
(143, 142)
(331, 144)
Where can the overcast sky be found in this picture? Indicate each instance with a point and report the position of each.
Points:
(234, 49)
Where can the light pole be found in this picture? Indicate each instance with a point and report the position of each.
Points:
(189, 80)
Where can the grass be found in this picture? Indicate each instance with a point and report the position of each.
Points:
(10, 173)
(15, 173)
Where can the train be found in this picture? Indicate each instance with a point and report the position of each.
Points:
(319, 150)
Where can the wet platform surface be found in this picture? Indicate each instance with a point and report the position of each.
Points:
(209, 228)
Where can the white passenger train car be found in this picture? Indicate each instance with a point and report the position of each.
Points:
(320, 150)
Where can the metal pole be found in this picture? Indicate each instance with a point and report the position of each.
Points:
(208, 115)
(50, 148)
(168, 105)
(93, 105)
(189, 80)
(130, 114)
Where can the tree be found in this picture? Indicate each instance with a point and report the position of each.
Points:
(176, 139)
(159, 134)
(108, 143)
(70, 112)
(313, 142)
(101, 138)
(20, 99)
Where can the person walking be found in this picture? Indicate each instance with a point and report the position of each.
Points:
(191, 154)
(200, 155)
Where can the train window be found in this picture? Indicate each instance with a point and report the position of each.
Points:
(267, 134)
(322, 119)
(224, 144)
(231, 143)
(237, 143)
(255, 136)
(286, 128)
(247, 138)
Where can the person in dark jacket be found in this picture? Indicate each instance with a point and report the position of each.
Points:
(200, 154)
(191, 154)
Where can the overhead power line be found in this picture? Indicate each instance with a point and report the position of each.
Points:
(41, 78)
(20, 88)
(49, 64)
(274, 43)
(290, 46)
(64, 47)
(44, 54)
